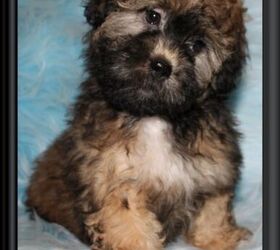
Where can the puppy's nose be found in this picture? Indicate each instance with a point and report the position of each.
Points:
(161, 67)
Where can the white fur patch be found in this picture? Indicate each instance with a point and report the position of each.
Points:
(155, 160)
(154, 157)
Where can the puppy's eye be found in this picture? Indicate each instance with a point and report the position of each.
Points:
(196, 46)
(153, 17)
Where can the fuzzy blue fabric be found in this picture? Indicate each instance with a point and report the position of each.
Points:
(50, 70)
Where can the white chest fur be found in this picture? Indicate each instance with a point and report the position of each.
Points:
(154, 156)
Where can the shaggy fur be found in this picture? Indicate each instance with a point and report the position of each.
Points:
(150, 154)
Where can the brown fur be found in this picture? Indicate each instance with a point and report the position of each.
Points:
(121, 181)
(214, 227)
(102, 162)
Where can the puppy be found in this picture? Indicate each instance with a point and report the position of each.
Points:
(151, 151)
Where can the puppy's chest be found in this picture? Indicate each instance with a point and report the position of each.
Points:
(153, 155)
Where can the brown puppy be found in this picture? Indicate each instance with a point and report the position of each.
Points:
(151, 151)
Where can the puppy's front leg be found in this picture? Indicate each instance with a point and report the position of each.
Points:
(124, 223)
(214, 228)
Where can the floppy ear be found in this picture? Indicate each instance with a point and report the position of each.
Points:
(233, 27)
(96, 11)
(226, 79)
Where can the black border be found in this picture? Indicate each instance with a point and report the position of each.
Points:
(12, 118)
(4, 139)
(9, 123)
(271, 145)
(271, 104)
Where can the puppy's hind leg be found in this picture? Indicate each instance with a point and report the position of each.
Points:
(214, 227)
(124, 223)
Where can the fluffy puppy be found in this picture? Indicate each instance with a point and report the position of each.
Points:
(151, 151)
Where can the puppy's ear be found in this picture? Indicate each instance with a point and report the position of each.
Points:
(96, 11)
(225, 79)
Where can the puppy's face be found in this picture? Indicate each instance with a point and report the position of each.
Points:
(161, 56)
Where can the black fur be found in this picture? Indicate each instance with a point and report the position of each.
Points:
(96, 11)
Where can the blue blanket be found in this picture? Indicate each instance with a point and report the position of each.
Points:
(50, 70)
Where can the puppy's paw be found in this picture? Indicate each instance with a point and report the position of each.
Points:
(95, 232)
(242, 233)
(227, 240)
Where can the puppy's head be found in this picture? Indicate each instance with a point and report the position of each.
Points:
(162, 56)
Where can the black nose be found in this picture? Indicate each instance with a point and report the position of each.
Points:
(161, 67)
